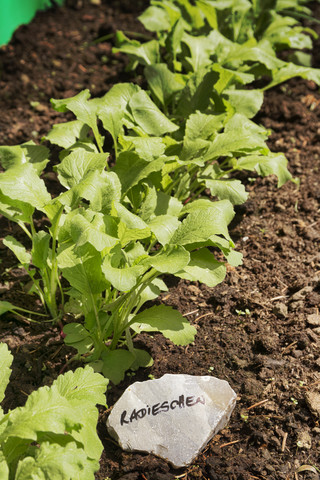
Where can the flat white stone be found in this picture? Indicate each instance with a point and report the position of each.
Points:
(173, 417)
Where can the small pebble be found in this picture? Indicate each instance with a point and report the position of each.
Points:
(313, 402)
(314, 320)
(280, 310)
(301, 294)
(304, 440)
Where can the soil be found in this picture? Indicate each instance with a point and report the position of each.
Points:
(259, 329)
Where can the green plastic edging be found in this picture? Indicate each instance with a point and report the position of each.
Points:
(14, 13)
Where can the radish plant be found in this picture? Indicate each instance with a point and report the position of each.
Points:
(22, 192)
(54, 434)
(116, 228)
(195, 148)
(111, 257)
(238, 40)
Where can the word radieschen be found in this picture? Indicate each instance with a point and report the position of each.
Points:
(163, 407)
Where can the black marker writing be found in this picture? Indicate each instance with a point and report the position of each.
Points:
(158, 408)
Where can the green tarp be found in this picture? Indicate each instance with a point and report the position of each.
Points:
(17, 12)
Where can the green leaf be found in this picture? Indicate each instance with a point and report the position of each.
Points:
(301, 58)
(170, 260)
(123, 279)
(155, 19)
(129, 219)
(28, 152)
(173, 40)
(282, 32)
(86, 230)
(60, 420)
(4, 468)
(127, 235)
(146, 53)
(240, 136)
(87, 436)
(45, 410)
(192, 14)
(82, 269)
(199, 128)
(84, 389)
(66, 134)
(132, 169)
(82, 385)
(113, 105)
(246, 102)
(173, 12)
(40, 249)
(233, 17)
(79, 163)
(167, 321)
(100, 189)
(162, 82)
(78, 337)
(148, 148)
(203, 204)
(18, 249)
(151, 291)
(57, 462)
(201, 48)
(147, 201)
(262, 54)
(201, 125)
(201, 223)
(142, 359)
(227, 78)
(197, 92)
(112, 119)
(134, 253)
(228, 189)
(118, 96)
(167, 205)
(163, 227)
(147, 115)
(290, 70)
(6, 360)
(131, 227)
(6, 307)
(116, 363)
(193, 150)
(75, 332)
(15, 210)
(209, 13)
(84, 110)
(203, 267)
(22, 182)
(234, 258)
(273, 163)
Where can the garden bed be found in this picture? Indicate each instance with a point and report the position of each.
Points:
(255, 329)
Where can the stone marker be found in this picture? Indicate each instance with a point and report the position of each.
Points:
(173, 417)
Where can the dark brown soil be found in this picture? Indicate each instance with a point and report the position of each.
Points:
(254, 329)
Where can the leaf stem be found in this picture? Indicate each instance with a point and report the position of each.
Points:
(24, 228)
(129, 304)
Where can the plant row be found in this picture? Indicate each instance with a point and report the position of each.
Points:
(161, 202)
